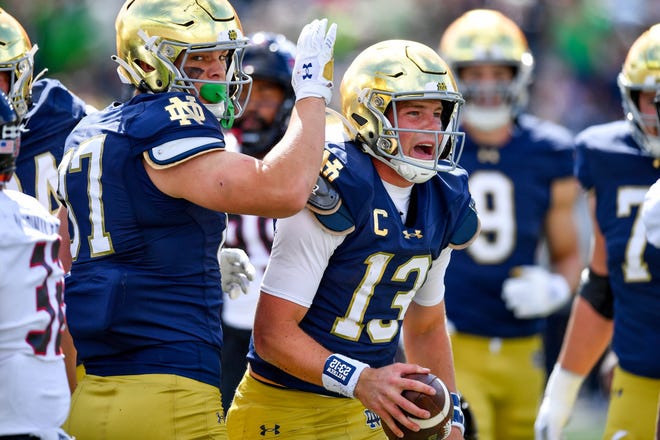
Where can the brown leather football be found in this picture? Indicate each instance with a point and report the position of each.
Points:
(438, 426)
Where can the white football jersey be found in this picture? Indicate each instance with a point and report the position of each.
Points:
(35, 392)
(255, 236)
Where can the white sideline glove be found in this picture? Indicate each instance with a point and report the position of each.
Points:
(314, 66)
(651, 214)
(557, 405)
(236, 271)
(535, 292)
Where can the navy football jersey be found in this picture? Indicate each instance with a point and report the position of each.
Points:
(374, 273)
(54, 112)
(511, 188)
(144, 292)
(609, 162)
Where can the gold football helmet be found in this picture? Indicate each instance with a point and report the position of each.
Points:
(16, 58)
(390, 72)
(484, 36)
(641, 72)
(154, 36)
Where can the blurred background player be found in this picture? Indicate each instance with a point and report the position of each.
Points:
(520, 169)
(146, 185)
(618, 301)
(48, 111)
(35, 392)
(366, 258)
(269, 61)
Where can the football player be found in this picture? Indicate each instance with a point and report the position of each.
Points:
(269, 61)
(520, 168)
(146, 184)
(35, 392)
(48, 110)
(618, 301)
(363, 261)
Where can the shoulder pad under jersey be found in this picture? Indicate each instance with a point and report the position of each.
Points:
(326, 205)
(468, 230)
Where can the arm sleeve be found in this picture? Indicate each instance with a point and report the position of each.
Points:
(432, 291)
(300, 253)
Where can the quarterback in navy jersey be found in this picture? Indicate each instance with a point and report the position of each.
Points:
(619, 301)
(364, 263)
(520, 167)
(47, 109)
(146, 185)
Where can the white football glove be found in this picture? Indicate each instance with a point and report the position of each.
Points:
(236, 271)
(535, 292)
(558, 401)
(314, 66)
(651, 214)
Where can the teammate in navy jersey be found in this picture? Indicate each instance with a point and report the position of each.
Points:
(363, 261)
(35, 394)
(269, 61)
(48, 110)
(146, 184)
(618, 301)
(521, 179)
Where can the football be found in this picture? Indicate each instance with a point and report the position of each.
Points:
(438, 426)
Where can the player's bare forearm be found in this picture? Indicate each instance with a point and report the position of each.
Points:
(587, 336)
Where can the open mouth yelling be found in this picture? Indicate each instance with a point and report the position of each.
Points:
(423, 151)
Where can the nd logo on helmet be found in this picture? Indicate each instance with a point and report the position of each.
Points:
(233, 35)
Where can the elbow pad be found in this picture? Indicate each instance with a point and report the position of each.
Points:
(596, 290)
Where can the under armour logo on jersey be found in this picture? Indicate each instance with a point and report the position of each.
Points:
(306, 67)
(373, 421)
(416, 234)
(275, 430)
(185, 111)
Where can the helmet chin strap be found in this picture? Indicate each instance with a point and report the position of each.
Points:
(486, 118)
(410, 172)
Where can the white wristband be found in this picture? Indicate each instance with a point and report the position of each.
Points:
(341, 374)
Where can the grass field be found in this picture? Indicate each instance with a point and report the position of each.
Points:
(588, 421)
